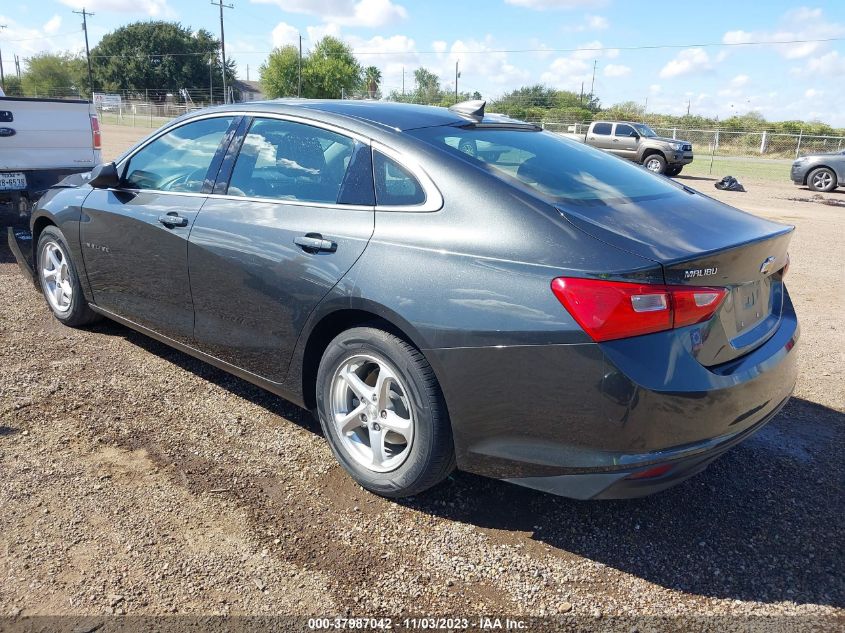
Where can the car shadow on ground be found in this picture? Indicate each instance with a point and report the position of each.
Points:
(763, 523)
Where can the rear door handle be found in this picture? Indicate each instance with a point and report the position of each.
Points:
(314, 243)
(173, 219)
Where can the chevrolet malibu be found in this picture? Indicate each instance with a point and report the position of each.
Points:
(443, 288)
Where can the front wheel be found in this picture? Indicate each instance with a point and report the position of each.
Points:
(383, 413)
(655, 163)
(822, 179)
(673, 171)
(60, 280)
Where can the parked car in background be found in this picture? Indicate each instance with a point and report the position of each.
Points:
(444, 288)
(41, 142)
(820, 172)
(638, 143)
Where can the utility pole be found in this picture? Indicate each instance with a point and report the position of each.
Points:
(222, 6)
(581, 98)
(299, 70)
(688, 102)
(2, 76)
(85, 15)
(403, 81)
(457, 74)
(18, 67)
(211, 80)
(593, 82)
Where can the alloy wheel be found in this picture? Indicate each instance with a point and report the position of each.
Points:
(653, 165)
(371, 411)
(822, 180)
(55, 277)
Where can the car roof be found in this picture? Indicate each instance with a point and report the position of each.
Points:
(389, 114)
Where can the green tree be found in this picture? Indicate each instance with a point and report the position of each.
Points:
(330, 70)
(427, 88)
(156, 58)
(625, 111)
(14, 86)
(372, 79)
(55, 75)
(279, 74)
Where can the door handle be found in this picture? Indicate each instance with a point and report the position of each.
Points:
(616, 140)
(314, 243)
(172, 219)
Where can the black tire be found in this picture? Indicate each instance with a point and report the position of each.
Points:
(655, 163)
(77, 312)
(431, 453)
(822, 179)
(673, 171)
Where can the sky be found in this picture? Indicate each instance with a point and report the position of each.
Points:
(668, 57)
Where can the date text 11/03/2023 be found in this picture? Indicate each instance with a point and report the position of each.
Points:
(415, 624)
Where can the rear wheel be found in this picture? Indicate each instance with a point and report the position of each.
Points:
(655, 163)
(60, 280)
(821, 179)
(674, 170)
(383, 414)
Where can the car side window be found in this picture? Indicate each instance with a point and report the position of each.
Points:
(395, 185)
(624, 130)
(602, 128)
(179, 159)
(283, 160)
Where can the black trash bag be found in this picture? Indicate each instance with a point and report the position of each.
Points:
(729, 183)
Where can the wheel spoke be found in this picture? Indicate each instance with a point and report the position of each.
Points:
(396, 423)
(377, 446)
(57, 265)
(383, 383)
(357, 385)
(57, 293)
(349, 421)
(50, 274)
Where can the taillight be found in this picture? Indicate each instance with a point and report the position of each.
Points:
(96, 137)
(609, 310)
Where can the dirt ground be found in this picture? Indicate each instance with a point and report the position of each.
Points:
(137, 480)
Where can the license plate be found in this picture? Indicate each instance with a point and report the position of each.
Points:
(751, 301)
(12, 180)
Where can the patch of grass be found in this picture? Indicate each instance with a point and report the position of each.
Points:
(756, 168)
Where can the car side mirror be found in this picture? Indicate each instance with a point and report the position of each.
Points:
(104, 176)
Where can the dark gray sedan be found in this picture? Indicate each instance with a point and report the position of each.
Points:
(820, 172)
(444, 288)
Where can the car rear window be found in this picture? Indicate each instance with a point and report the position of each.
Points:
(552, 166)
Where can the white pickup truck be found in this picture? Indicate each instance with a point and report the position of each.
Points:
(41, 142)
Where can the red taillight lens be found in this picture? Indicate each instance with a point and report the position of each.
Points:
(609, 310)
(651, 473)
(96, 137)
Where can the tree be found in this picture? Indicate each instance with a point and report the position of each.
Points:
(14, 86)
(279, 74)
(330, 70)
(156, 58)
(427, 86)
(55, 75)
(626, 111)
(539, 102)
(372, 79)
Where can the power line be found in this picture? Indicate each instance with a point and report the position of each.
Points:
(222, 6)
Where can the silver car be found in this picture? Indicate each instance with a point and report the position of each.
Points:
(820, 172)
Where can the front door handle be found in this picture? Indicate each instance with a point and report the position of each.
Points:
(314, 243)
(172, 219)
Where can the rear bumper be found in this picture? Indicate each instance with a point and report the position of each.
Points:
(577, 420)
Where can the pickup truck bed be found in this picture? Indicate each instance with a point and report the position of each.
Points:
(41, 142)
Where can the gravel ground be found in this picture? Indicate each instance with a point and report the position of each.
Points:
(140, 481)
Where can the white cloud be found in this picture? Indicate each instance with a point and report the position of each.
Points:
(152, 8)
(616, 70)
(53, 25)
(812, 92)
(284, 34)
(739, 81)
(439, 46)
(543, 5)
(799, 24)
(361, 13)
(492, 65)
(830, 64)
(316, 33)
(689, 61)
(655, 89)
(590, 23)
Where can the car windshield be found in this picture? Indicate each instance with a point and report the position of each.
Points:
(557, 168)
(644, 130)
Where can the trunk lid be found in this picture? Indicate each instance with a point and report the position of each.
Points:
(702, 242)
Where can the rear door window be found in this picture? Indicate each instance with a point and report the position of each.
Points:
(602, 128)
(284, 160)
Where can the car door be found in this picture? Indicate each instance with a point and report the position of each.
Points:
(295, 209)
(599, 135)
(134, 237)
(624, 141)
